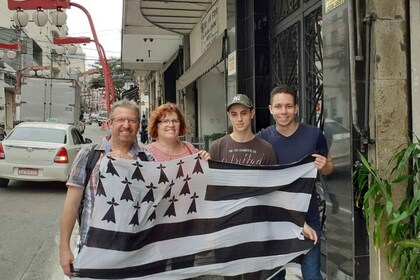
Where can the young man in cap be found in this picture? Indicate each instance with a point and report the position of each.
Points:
(243, 147)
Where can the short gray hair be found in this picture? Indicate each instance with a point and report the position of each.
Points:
(125, 103)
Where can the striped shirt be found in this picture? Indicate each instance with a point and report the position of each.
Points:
(78, 174)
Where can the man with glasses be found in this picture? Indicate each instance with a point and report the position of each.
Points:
(124, 124)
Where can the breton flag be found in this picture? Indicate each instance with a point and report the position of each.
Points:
(188, 217)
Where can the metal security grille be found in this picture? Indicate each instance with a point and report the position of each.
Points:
(296, 53)
(297, 60)
(313, 60)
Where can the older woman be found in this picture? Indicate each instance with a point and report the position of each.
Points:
(165, 126)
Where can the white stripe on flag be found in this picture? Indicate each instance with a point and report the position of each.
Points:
(194, 244)
(260, 178)
(233, 268)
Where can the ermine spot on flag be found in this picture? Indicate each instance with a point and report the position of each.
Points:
(185, 218)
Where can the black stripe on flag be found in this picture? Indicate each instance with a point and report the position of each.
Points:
(219, 193)
(123, 241)
(238, 252)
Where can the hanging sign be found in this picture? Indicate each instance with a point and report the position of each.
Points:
(232, 63)
(332, 4)
(210, 26)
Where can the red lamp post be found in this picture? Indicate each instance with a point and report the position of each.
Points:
(89, 72)
(10, 47)
(35, 4)
(71, 40)
(60, 4)
(109, 83)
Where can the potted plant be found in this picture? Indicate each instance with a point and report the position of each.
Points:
(395, 225)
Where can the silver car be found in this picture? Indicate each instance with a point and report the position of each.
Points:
(39, 151)
(103, 117)
(2, 133)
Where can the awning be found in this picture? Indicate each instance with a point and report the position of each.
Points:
(131, 94)
(211, 57)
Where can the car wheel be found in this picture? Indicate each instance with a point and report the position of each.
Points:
(4, 182)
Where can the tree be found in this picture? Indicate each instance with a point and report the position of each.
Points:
(120, 76)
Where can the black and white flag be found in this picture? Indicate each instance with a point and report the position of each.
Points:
(189, 217)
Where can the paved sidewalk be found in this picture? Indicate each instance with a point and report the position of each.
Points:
(293, 274)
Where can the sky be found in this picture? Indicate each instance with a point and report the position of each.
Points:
(107, 20)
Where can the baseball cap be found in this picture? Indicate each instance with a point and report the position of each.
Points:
(240, 99)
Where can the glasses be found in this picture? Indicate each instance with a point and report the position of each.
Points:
(169, 122)
(123, 120)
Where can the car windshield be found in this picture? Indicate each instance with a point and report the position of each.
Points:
(38, 134)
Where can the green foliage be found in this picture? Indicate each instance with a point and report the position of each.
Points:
(216, 136)
(119, 75)
(395, 226)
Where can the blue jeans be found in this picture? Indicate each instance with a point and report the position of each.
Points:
(311, 262)
(143, 136)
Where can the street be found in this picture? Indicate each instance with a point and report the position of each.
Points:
(29, 220)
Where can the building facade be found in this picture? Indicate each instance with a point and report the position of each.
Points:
(353, 63)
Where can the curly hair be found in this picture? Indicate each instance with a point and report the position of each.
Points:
(283, 88)
(160, 113)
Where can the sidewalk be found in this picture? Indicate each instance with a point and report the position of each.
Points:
(293, 274)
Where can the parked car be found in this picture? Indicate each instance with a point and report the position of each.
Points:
(103, 117)
(39, 151)
(87, 119)
(94, 116)
(2, 133)
(81, 126)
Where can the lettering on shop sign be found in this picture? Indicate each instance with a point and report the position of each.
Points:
(332, 4)
(210, 26)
